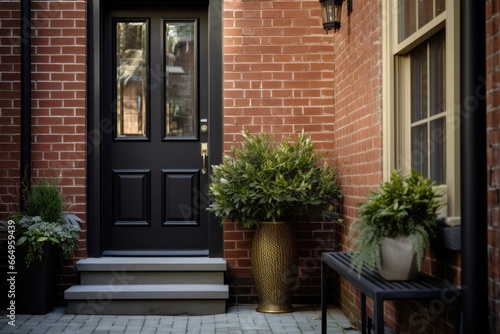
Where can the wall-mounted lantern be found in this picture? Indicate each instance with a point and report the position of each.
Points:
(331, 11)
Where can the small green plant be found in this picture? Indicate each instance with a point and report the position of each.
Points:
(43, 220)
(403, 206)
(265, 180)
(35, 232)
(44, 200)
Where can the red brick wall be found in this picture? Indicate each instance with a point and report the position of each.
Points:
(58, 105)
(358, 152)
(9, 106)
(278, 78)
(358, 120)
(493, 119)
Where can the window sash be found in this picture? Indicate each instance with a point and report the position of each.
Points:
(444, 120)
(427, 118)
(415, 14)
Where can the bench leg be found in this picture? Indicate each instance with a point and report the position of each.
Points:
(323, 298)
(457, 316)
(378, 315)
(363, 313)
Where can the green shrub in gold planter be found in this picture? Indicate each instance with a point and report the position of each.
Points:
(268, 185)
(266, 180)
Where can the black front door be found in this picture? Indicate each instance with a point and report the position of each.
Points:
(155, 171)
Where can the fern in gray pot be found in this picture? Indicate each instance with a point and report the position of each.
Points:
(404, 206)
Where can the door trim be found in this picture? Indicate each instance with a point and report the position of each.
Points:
(97, 126)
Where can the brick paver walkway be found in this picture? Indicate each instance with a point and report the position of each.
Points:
(238, 319)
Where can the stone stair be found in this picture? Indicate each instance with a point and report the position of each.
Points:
(146, 286)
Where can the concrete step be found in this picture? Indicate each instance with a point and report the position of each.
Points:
(151, 264)
(148, 307)
(148, 291)
(94, 271)
(148, 299)
(150, 277)
(141, 286)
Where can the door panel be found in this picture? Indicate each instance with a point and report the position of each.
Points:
(155, 94)
(180, 207)
(131, 210)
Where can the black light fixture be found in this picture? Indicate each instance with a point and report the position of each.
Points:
(331, 11)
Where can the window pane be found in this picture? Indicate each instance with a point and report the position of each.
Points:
(180, 74)
(437, 73)
(425, 11)
(440, 6)
(414, 14)
(419, 83)
(419, 149)
(438, 151)
(407, 18)
(131, 78)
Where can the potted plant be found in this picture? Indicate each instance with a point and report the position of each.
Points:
(396, 224)
(267, 185)
(44, 234)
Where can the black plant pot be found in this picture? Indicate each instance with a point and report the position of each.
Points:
(36, 285)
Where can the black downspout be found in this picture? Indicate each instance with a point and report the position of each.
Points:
(473, 166)
(25, 163)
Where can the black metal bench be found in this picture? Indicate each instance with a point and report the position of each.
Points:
(371, 284)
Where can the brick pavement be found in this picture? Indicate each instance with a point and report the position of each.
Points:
(238, 319)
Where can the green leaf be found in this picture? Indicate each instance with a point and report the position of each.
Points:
(54, 240)
(21, 241)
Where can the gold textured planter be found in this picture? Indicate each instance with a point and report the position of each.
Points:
(274, 258)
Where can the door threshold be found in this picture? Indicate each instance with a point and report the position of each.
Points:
(152, 253)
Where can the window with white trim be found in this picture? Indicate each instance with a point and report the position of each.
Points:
(421, 93)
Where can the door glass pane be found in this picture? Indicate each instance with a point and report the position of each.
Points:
(131, 78)
(180, 79)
